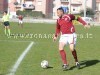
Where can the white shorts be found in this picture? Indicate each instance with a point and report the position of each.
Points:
(20, 21)
(68, 38)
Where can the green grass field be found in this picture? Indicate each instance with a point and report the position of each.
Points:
(88, 48)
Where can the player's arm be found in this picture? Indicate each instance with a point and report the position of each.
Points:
(2, 20)
(8, 14)
(83, 22)
(79, 19)
(57, 31)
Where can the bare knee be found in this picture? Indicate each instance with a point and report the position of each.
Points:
(72, 47)
(61, 46)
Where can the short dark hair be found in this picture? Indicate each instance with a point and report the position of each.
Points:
(5, 12)
(61, 9)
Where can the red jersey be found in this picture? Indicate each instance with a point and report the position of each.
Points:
(65, 24)
(20, 17)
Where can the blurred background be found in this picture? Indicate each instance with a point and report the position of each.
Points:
(90, 9)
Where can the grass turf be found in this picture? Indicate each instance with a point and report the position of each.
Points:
(45, 49)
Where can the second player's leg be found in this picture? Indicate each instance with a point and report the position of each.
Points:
(72, 43)
(74, 53)
(8, 27)
(22, 24)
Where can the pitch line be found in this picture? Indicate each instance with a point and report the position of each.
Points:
(18, 62)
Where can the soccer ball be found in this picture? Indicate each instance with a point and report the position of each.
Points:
(44, 64)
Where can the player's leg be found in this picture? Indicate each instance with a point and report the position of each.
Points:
(8, 27)
(63, 56)
(72, 43)
(21, 24)
(5, 28)
(62, 43)
(62, 52)
(74, 53)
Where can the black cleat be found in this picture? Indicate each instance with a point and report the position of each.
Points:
(77, 65)
(65, 67)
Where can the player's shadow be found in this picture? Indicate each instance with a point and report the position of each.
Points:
(86, 63)
(49, 67)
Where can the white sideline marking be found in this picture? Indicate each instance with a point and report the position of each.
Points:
(16, 65)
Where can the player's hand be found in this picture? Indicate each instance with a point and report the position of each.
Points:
(54, 38)
(87, 26)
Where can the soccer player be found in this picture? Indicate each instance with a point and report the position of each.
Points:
(5, 20)
(66, 28)
(20, 17)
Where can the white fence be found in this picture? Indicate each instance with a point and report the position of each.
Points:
(30, 20)
(51, 21)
